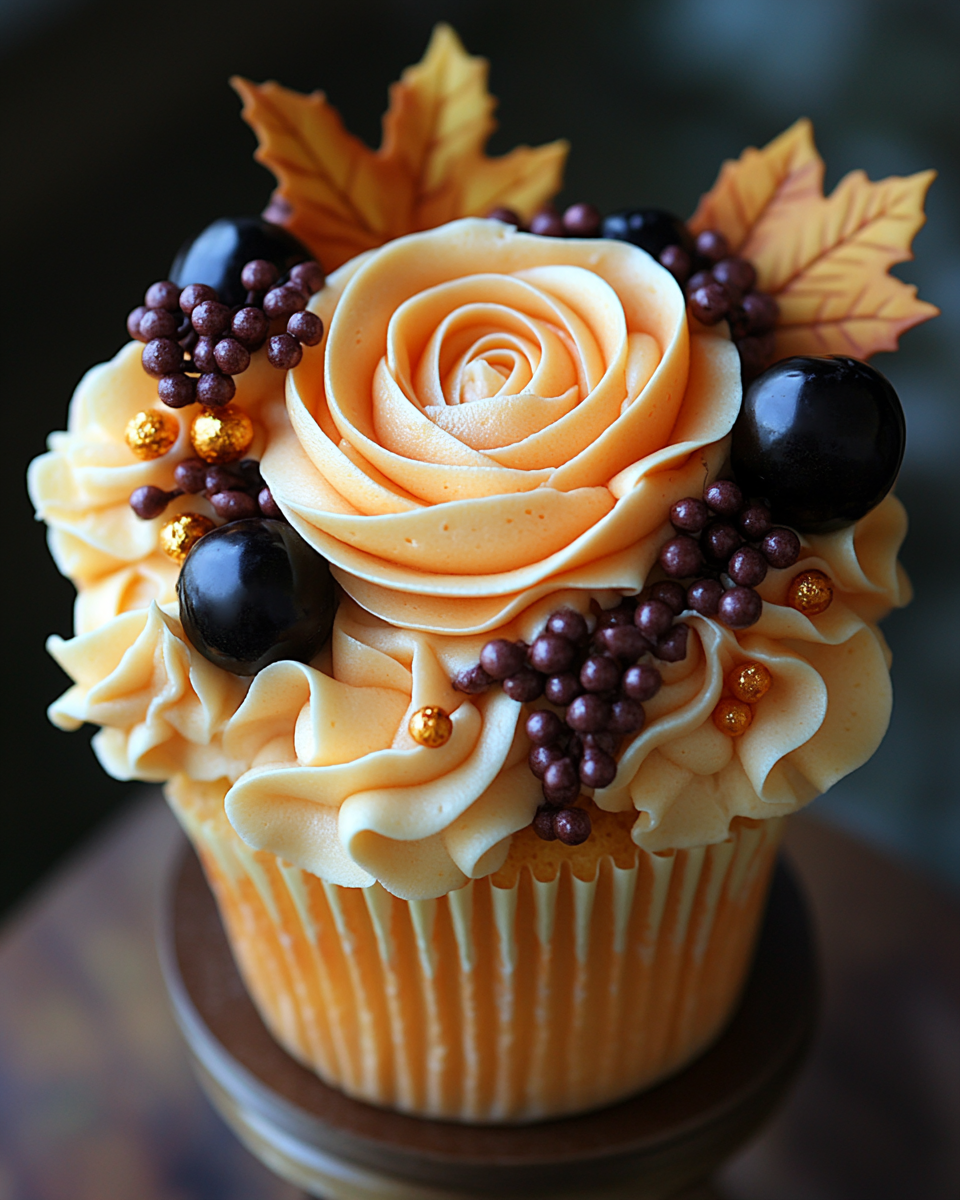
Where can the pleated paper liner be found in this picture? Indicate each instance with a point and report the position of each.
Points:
(569, 979)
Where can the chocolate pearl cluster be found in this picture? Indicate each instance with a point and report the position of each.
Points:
(596, 684)
(725, 545)
(195, 345)
(236, 491)
(579, 220)
(721, 285)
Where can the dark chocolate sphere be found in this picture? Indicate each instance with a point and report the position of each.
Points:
(218, 255)
(651, 229)
(253, 592)
(821, 439)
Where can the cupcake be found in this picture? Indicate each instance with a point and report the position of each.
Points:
(488, 583)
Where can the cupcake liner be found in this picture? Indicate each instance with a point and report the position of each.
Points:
(516, 998)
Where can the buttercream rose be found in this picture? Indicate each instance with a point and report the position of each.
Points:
(496, 416)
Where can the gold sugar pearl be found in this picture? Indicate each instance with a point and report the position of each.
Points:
(750, 682)
(732, 717)
(180, 534)
(221, 435)
(430, 727)
(811, 593)
(151, 433)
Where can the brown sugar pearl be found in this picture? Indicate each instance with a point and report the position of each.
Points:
(712, 245)
(670, 593)
(760, 312)
(597, 769)
(194, 294)
(723, 497)
(641, 682)
(621, 615)
(624, 642)
(626, 716)
(473, 681)
(543, 824)
(544, 727)
(308, 277)
(747, 567)
(689, 515)
(540, 757)
(177, 390)
(653, 618)
(709, 303)
(133, 323)
(284, 352)
(210, 319)
(149, 502)
(588, 714)
(234, 506)
(703, 596)
(719, 540)
(732, 717)
(572, 826)
(561, 782)
(525, 685)
(599, 673)
(232, 358)
(283, 301)
(736, 275)
(582, 220)
(191, 475)
(561, 689)
(204, 358)
(811, 593)
(259, 275)
(165, 295)
(681, 557)
(781, 547)
(215, 390)
(677, 262)
(250, 327)
(672, 647)
(568, 623)
(754, 521)
(547, 223)
(158, 323)
(268, 506)
(551, 653)
(698, 279)
(740, 607)
(306, 328)
(506, 215)
(500, 658)
(750, 681)
(161, 356)
(756, 353)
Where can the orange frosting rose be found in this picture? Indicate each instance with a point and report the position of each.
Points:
(494, 417)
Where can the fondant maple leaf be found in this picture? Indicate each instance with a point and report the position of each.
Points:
(825, 258)
(431, 167)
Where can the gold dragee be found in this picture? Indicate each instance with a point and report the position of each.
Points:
(811, 593)
(221, 435)
(732, 717)
(750, 681)
(151, 433)
(180, 534)
(430, 727)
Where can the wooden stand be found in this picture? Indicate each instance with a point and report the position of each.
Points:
(646, 1148)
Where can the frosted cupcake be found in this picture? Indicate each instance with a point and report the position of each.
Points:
(482, 627)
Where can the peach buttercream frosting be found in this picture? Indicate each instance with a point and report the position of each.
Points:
(494, 426)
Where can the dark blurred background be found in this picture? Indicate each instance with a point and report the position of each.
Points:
(121, 138)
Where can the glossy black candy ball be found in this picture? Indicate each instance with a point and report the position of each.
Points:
(821, 439)
(651, 229)
(252, 593)
(218, 255)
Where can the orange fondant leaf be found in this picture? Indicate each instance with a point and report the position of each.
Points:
(431, 167)
(825, 258)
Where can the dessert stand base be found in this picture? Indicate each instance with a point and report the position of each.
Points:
(648, 1147)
